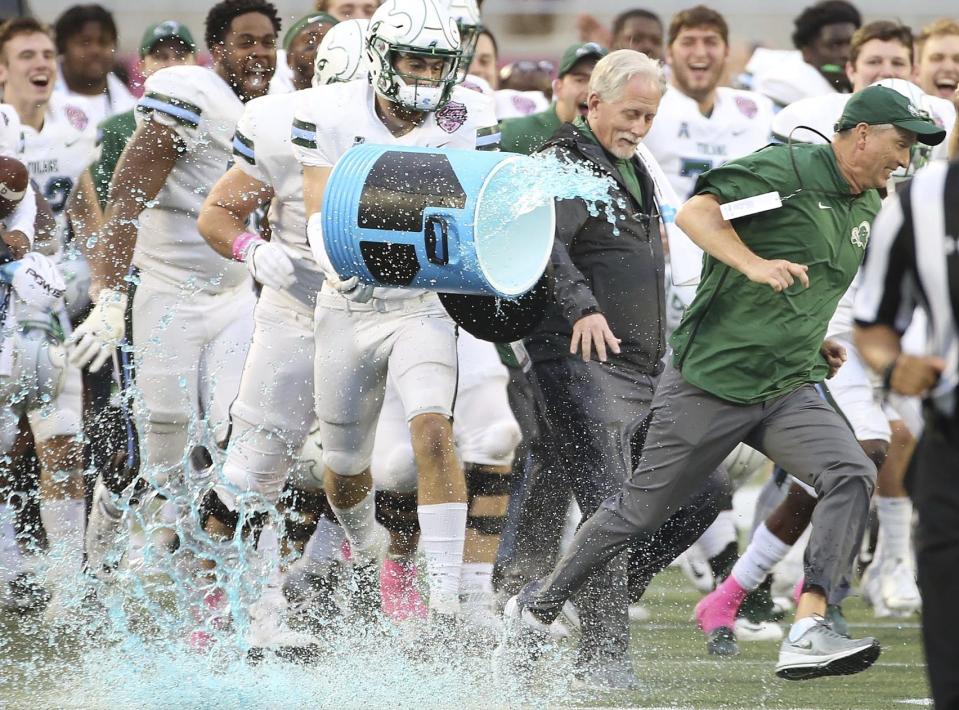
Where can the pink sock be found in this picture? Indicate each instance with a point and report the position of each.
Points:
(719, 607)
(797, 590)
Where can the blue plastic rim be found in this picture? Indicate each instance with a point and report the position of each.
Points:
(444, 220)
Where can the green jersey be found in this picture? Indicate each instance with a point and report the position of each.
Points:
(741, 341)
(525, 135)
(115, 132)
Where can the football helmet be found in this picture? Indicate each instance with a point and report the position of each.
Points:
(921, 153)
(466, 13)
(341, 56)
(413, 30)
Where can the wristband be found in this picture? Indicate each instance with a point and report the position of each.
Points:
(242, 244)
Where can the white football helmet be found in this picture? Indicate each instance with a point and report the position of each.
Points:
(341, 56)
(466, 13)
(413, 29)
(921, 153)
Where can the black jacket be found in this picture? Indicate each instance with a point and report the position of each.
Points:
(621, 276)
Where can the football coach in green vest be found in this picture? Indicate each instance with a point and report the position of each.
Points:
(784, 230)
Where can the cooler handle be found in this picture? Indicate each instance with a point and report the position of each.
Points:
(431, 223)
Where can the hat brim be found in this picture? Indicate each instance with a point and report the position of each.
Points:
(926, 132)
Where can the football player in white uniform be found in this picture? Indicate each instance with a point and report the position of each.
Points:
(54, 150)
(274, 410)
(700, 124)
(24, 215)
(192, 308)
(362, 332)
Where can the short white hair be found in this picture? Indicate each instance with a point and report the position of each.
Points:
(616, 69)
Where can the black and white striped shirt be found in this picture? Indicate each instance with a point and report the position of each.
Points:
(913, 259)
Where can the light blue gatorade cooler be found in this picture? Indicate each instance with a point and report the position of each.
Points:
(444, 220)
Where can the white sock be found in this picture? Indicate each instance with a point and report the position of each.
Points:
(64, 522)
(359, 522)
(442, 534)
(895, 527)
(323, 547)
(764, 552)
(801, 626)
(11, 561)
(476, 578)
(718, 535)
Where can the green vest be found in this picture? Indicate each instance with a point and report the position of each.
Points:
(741, 341)
(115, 132)
(525, 135)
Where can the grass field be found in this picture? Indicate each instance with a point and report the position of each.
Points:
(109, 670)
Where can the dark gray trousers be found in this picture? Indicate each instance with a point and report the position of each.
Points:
(690, 433)
(593, 410)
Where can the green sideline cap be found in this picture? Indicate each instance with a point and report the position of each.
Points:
(576, 52)
(302, 23)
(880, 104)
(164, 30)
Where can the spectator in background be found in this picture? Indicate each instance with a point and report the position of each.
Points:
(640, 30)
(348, 9)
(937, 58)
(164, 44)
(636, 29)
(525, 135)
(823, 37)
(527, 75)
(485, 59)
(86, 40)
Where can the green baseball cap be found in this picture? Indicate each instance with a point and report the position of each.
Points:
(579, 51)
(880, 104)
(303, 22)
(164, 30)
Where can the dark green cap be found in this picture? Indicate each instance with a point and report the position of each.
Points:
(880, 104)
(301, 24)
(579, 51)
(165, 30)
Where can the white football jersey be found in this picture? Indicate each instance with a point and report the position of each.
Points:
(203, 110)
(686, 143)
(786, 78)
(262, 149)
(331, 119)
(116, 99)
(57, 154)
(9, 131)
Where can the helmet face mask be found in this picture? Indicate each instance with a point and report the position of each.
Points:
(468, 21)
(920, 154)
(406, 40)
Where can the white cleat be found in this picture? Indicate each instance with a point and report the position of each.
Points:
(269, 633)
(104, 528)
(897, 587)
(638, 613)
(697, 570)
(746, 630)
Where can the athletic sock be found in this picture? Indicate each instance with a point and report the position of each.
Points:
(895, 527)
(476, 578)
(359, 523)
(442, 535)
(11, 561)
(322, 547)
(764, 552)
(64, 522)
(801, 626)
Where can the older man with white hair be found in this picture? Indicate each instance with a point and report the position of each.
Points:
(598, 351)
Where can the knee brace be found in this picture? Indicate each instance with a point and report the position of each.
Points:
(483, 483)
(397, 512)
(396, 470)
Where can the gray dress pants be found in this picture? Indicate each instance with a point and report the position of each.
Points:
(690, 433)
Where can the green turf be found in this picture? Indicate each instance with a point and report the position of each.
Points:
(39, 671)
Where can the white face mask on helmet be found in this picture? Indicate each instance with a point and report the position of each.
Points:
(415, 29)
(921, 154)
(466, 13)
(341, 55)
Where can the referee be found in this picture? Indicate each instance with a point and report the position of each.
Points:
(913, 259)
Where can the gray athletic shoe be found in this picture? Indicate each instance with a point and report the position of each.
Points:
(821, 652)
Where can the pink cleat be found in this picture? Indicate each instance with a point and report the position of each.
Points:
(399, 597)
(719, 607)
(213, 610)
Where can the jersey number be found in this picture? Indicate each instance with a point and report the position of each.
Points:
(692, 167)
(56, 192)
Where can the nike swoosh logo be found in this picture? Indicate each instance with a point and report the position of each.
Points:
(739, 133)
(70, 144)
(824, 207)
